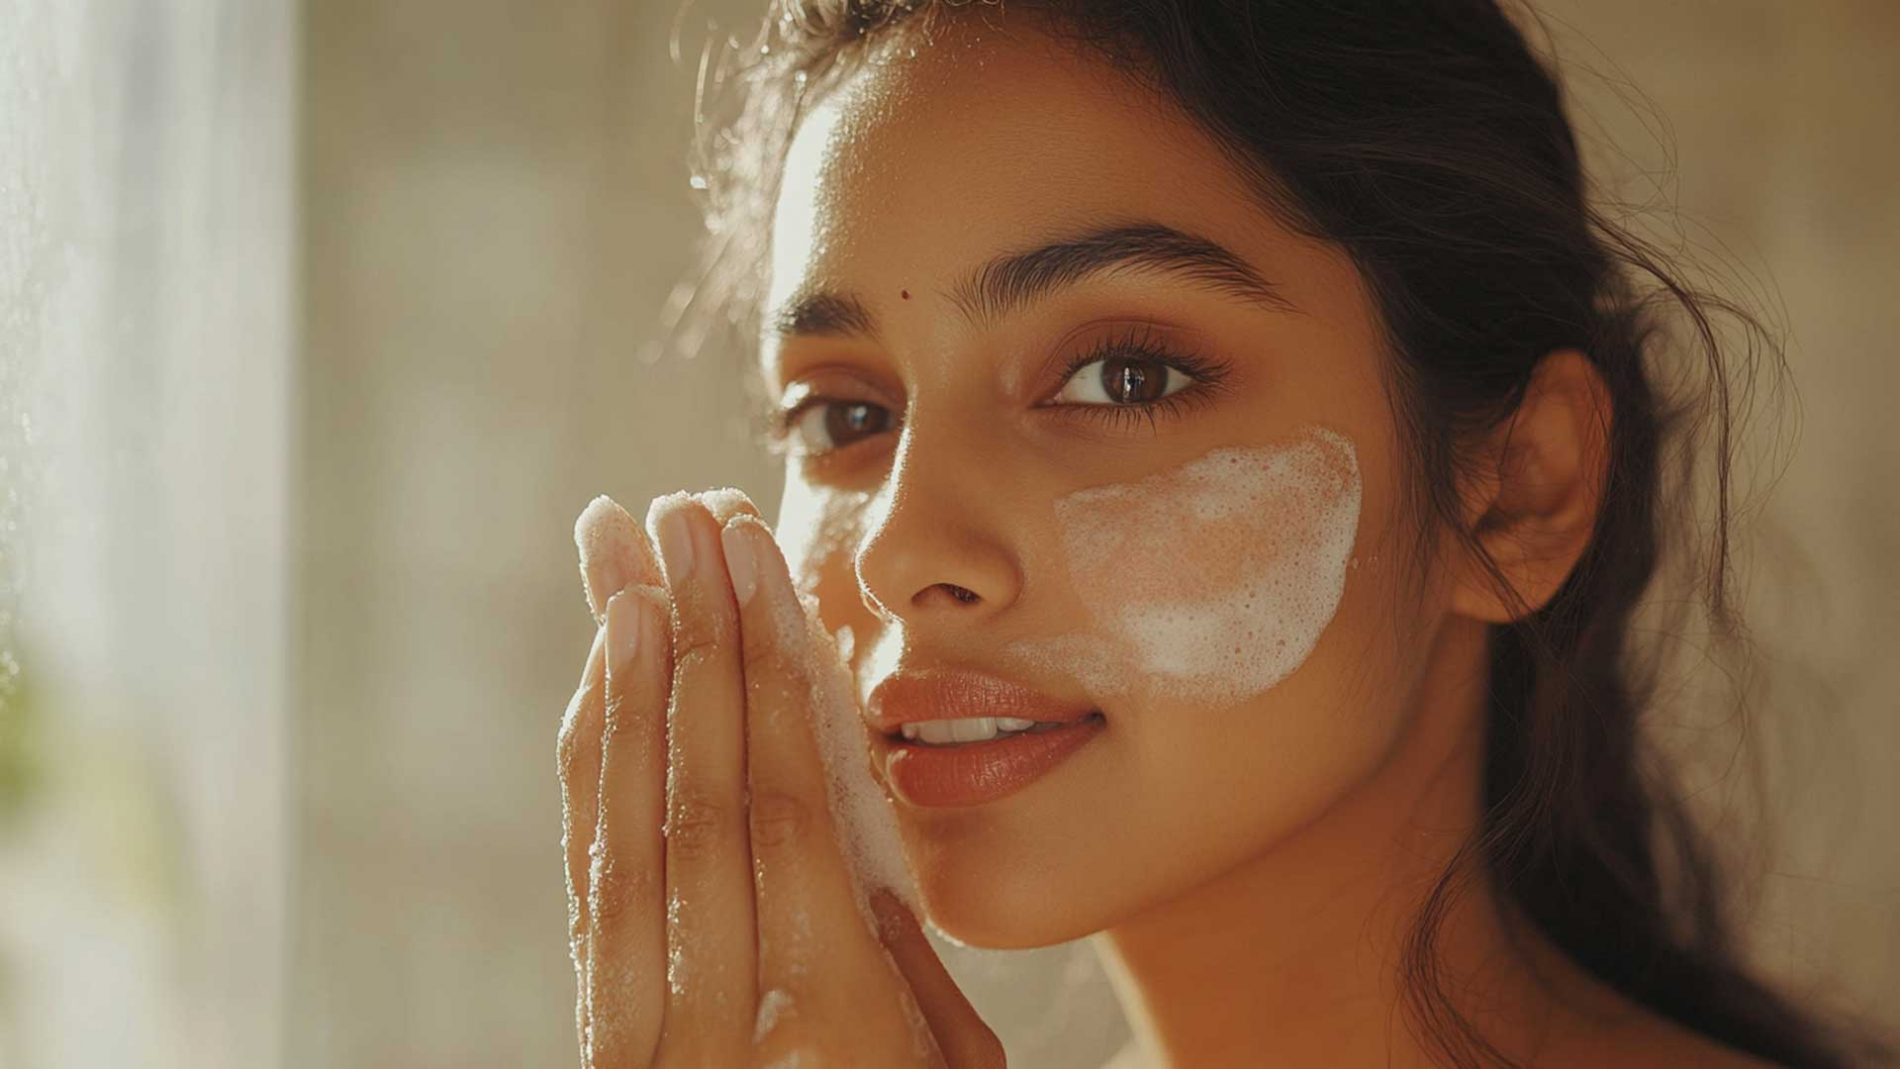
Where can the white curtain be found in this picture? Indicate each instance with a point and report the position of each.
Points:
(146, 337)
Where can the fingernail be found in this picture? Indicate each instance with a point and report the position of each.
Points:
(676, 545)
(740, 562)
(623, 630)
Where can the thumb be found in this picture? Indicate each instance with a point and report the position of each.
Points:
(966, 1042)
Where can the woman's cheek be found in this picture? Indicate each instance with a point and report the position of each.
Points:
(1208, 584)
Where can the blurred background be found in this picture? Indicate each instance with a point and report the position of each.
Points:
(320, 323)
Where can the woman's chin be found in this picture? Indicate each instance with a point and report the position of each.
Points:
(987, 932)
(990, 918)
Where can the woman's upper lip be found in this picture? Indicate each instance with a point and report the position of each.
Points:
(953, 693)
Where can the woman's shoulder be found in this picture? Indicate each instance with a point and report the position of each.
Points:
(1129, 1057)
(1653, 1042)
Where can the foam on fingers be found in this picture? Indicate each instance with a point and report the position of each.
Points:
(862, 810)
(614, 552)
(725, 502)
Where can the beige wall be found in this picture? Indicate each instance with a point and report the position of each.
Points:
(496, 204)
(496, 208)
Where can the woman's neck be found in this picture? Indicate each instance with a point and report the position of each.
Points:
(1297, 956)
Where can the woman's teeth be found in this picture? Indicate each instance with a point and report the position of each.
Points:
(967, 729)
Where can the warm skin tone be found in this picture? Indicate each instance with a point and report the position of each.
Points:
(1249, 871)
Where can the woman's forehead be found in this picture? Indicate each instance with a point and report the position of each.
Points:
(923, 167)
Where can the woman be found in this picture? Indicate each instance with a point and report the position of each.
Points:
(1237, 405)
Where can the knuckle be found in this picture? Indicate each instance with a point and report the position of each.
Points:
(573, 742)
(693, 657)
(678, 1046)
(799, 1047)
(612, 711)
(790, 1039)
(699, 633)
(699, 826)
(780, 818)
(621, 1040)
(768, 661)
(779, 1026)
(617, 891)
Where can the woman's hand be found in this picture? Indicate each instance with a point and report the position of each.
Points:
(731, 938)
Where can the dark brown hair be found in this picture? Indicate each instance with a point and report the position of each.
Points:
(1428, 141)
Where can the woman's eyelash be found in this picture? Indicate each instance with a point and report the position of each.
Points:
(775, 425)
(1210, 377)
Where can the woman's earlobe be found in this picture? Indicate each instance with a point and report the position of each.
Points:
(1533, 500)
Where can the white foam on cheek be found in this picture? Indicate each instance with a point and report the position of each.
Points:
(1212, 582)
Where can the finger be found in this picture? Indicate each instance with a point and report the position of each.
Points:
(710, 938)
(627, 883)
(966, 1041)
(797, 865)
(726, 502)
(614, 553)
(577, 761)
(814, 943)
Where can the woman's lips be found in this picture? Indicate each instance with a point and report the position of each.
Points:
(970, 773)
(908, 696)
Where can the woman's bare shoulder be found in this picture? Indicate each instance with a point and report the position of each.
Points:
(1129, 1057)
(1652, 1042)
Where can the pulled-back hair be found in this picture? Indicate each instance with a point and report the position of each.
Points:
(1428, 141)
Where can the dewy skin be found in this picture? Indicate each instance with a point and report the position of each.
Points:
(1212, 582)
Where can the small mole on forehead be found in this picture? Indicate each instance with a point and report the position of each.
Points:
(905, 294)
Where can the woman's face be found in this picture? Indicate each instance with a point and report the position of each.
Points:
(975, 482)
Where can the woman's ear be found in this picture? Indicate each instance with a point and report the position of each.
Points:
(1532, 494)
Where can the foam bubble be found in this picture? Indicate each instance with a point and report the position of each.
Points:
(771, 1005)
(724, 502)
(1210, 582)
(862, 811)
(613, 552)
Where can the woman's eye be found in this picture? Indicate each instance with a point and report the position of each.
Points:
(1121, 380)
(827, 425)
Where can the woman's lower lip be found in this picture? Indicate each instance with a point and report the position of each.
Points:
(976, 772)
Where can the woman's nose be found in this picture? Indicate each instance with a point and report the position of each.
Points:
(935, 549)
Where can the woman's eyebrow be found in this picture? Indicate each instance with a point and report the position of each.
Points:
(1013, 280)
